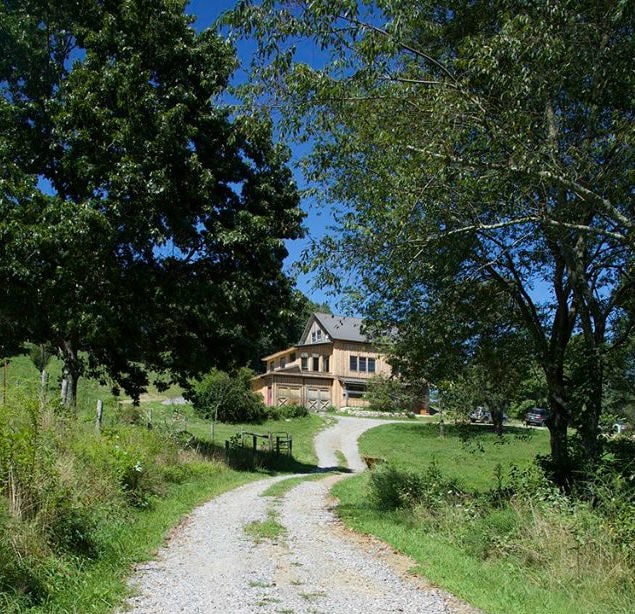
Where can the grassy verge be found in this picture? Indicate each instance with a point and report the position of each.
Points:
(78, 507)
(101, 586)
(504, 544)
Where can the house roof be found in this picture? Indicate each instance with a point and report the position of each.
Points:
(338, 328)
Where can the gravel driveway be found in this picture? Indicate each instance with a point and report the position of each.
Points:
(212, 565)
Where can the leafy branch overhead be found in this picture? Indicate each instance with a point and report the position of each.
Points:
(479, 157)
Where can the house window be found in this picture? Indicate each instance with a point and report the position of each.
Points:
(318, 335)
(304, 362)
(292, 357)
(272, 364)
(355, 391)
(316, 363)
(353, 363)
(283, 362)
(313, 336)
(371, 365)
(325, 364)
(362, 363)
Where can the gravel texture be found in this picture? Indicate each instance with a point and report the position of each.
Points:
(316, 566)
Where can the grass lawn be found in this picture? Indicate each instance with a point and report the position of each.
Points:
(476, 567)
(468, 453)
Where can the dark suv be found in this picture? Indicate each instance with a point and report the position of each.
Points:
(537, 416)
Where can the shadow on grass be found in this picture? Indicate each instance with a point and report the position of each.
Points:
(464, 430)
(246, 459)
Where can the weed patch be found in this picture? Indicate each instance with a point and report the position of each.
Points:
(269, 529)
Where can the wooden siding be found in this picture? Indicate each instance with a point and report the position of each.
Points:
(342, 352)
(317, 389)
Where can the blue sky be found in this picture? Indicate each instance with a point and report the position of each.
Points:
(316, 222)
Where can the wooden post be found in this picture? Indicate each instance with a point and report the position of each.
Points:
(100, 415)
(64, 390)
(4, 381)
(270, 442)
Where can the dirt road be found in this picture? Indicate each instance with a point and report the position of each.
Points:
(212, 565)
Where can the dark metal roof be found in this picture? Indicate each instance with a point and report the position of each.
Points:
(338, 328)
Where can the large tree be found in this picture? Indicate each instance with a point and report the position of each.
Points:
(470, 145)
(140, 219)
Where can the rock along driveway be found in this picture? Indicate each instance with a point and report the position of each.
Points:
(211, 565)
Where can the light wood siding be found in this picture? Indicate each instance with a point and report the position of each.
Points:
(322, 351)
(318, 388)
(342, 352)
(318, 331)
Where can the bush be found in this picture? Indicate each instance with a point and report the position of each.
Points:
(227, 398)
(283, 412)
(386, 394)
(391, 488)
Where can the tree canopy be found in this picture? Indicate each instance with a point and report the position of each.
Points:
(141, 219)
(481, 158)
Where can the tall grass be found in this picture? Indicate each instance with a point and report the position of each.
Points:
(79, 505)
(493, 531)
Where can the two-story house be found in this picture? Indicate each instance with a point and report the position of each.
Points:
(330, 366)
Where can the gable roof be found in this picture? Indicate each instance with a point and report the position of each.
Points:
(338, 328)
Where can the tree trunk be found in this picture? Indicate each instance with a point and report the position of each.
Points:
(497, 420)
(557, 424)
(71, 374)
(589, 428)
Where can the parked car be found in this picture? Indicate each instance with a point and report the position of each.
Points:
(537, 416)
(621, 426)
(480, 414)
(484, 416)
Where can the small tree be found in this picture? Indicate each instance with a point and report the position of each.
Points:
(222, 397)
(390, 394)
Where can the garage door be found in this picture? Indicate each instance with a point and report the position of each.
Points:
(288, 395)
(318, 398)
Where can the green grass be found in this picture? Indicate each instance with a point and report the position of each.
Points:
(520, 558)
(101, 586)
(470, 453)
(270, 528)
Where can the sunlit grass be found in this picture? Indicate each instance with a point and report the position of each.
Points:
(517, 559)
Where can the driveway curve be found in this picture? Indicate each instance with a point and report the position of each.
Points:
(212, 565)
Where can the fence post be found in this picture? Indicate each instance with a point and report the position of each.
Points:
(100, 415)
(5, 368)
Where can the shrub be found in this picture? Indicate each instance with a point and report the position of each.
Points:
(283, 412)
(70, 526)
(392, 488)
(228, 398)
(386, 394)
